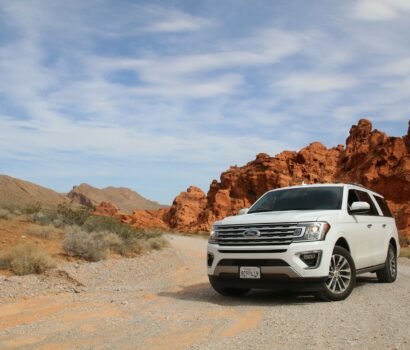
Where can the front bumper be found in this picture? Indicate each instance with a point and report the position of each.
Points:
(277, 263)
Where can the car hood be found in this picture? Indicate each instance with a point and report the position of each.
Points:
(278, 217)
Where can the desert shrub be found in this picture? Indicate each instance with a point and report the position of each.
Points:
(89, 246)
(41, 218)
(45, 232)
(73, 216)
(4, 214)
(113, 225)
(32, 208)
(114, 242)
(26, 258)
(134, 246)
(157, 243)
(58, 223)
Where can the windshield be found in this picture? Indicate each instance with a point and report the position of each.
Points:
(324, 198)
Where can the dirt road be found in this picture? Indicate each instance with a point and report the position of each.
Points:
(163, 301)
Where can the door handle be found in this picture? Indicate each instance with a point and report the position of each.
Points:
(384, 225)
(369, 225)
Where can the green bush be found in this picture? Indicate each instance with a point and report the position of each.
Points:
(26, 258)
(71, 216)
(113, 225)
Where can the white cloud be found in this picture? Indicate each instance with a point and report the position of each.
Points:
(300, 83)
(380, 10)
(176, 21)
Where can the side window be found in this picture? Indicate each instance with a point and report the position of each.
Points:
(364, 197)
(383, 206)
(351, 198)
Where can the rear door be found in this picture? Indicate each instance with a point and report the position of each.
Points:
(360, 232)
(375, 229)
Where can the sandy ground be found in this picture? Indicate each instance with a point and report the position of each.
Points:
(163, 301)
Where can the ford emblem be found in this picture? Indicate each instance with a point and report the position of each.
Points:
(252, 232)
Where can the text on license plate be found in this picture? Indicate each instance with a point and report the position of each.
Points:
(251, 272)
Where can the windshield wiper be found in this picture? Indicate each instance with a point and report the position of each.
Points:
(259, 211)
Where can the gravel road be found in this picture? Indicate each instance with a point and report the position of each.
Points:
(163, 301)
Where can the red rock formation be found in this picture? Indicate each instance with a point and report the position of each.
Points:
(147, 218)
(186, 209)
(371, 158)
(106, 209)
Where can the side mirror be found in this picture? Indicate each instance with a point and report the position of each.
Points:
(359, 208)
(243, 211)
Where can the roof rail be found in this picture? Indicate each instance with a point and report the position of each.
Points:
(358, 185)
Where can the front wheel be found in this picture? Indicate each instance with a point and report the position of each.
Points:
(388, 273)
(342, 276)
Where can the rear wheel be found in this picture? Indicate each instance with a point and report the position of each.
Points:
(229, 292)
(388, 273)
(342, 276)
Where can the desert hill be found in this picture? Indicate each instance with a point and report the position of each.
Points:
(19, 193)
(123, 198)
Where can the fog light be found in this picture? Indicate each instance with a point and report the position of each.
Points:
(210, 259)
(311, 259)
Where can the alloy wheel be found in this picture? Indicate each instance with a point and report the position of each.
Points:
(340, 274)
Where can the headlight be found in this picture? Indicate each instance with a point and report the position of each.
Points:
(213, 237)
(312, 231)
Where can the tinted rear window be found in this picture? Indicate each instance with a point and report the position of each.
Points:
(324, 198)
(383, 206)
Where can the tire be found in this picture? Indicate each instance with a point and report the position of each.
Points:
(388, 273)
(342, 276)
(229, 292)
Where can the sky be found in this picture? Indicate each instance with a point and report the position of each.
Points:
(160, 95)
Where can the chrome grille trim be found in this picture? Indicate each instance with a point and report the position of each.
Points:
(269, 234)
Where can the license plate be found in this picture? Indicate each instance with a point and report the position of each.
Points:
(250, 272)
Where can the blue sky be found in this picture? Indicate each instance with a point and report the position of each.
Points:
(159, 95)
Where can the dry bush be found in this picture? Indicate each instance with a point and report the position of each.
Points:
(114, 242)
(89, 246)
(134, 246)
(44, 232)
(26, 258)
(157, 243)
(41, 218)
(4, 214)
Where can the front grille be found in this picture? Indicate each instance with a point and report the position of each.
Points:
(264, 234)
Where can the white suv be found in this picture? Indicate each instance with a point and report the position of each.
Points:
(310, 237)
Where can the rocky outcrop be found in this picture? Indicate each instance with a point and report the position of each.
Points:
(106, 209)
(370, 157)
(186, 209)
(147, 219)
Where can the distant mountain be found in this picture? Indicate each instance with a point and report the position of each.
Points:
(125, 199)
(19, 193)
